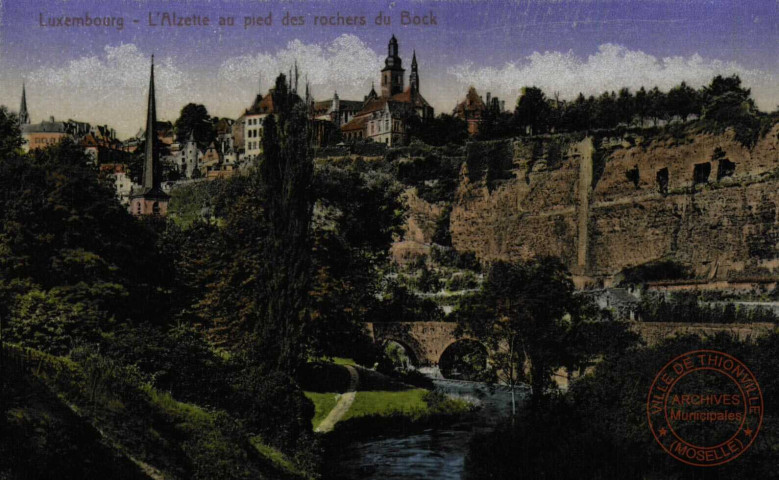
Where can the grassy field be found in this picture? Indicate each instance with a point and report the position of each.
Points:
(343, 361)
(323, 403)
(409, 403)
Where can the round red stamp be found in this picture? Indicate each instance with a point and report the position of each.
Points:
(705, 408)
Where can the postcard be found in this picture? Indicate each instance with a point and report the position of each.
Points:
(389, 239)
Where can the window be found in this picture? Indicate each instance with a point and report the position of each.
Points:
(701, 172)
(662, 180)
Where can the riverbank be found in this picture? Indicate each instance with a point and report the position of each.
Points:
(373, 402)
(433, 448)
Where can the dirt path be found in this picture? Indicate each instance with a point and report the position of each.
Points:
(344, 402)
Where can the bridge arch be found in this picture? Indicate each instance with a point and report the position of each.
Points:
(465, 358)
(413, 352)
(427, 340)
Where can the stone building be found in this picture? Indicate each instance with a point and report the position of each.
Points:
(247, 131)
(473, 109)
(150, 199)
(339, 112)
(43, 134)
(386, 118)
(190, 158)
(117, 173)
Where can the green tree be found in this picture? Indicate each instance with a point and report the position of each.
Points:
(441, 130)
(286, 175)
(683, 101)
(528, 311)
(10, 136)
(532, 112)
(65, 236)
(626, 106)
(642, 105)
(194, 119)
(359, 210)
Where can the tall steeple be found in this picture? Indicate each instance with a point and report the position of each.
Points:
(413, 78)
(151, 200)
(24, 117)
(392, 73)
(151, 173)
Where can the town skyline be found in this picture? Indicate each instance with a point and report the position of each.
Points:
(95, 75)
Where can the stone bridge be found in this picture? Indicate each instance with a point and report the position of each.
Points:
(427, 341)
(424, 341)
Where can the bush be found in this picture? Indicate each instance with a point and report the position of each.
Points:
(654, 271)
(179, 361)
(274, 407)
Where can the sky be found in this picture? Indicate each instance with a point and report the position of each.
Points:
(99, 74)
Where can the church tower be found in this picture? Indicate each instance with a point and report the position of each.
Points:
(24, 117)
(151, 200)
(413, 78)
(392, 73)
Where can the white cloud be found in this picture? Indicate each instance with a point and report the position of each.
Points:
(611, 68)
(109, 88)
(345, 63)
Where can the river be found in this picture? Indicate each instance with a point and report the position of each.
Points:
(432, 454)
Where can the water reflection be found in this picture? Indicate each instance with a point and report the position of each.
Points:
(434, 454)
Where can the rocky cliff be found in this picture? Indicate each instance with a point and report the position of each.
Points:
(605, 204)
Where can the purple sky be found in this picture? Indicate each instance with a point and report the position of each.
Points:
(97, 74)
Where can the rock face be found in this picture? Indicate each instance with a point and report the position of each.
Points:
(606, 204)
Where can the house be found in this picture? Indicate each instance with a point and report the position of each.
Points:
(473, 109)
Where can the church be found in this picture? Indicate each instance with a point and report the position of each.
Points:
(386, 118)
(150, 199)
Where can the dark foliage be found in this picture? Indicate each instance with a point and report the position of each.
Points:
(441, 130)
(74, 260)
(686, 307)
(10, 136)
(654, 271)
(600, 428)
(274, 407)
(528, 311)
(194, 120)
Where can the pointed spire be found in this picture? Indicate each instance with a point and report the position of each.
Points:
(413, 78)
(24, 117)
(151, 176)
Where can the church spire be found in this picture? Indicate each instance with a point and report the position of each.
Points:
(151, 200)
(24, 117)
(392, 73)
(151, 174)
(413, 78)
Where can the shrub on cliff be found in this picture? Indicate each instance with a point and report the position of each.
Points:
(654, 271)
